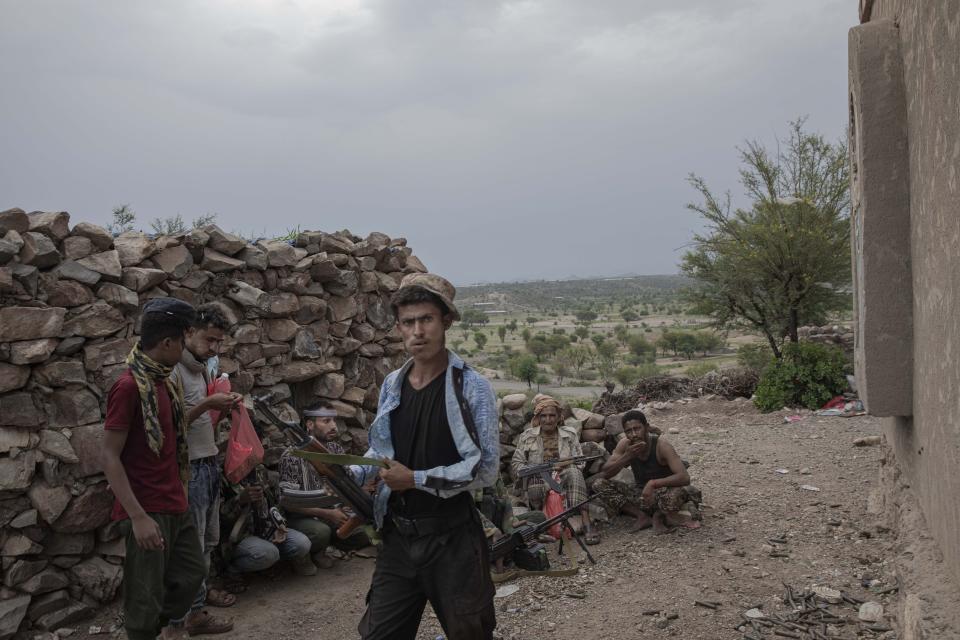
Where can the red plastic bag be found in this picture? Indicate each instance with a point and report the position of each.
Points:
(244, 450)
(217, 385)
(554, 505)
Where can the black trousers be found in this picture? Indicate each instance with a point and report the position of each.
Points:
(450, 570)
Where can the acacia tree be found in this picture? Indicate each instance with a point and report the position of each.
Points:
(502, 332)
(784, 261)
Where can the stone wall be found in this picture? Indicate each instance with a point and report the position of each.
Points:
(831, 335)
(312, 319)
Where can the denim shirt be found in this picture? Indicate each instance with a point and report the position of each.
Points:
(477, 468)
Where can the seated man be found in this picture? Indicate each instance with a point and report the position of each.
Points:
(318, 524)
(548, 439)
(259, 538)
(662, 483)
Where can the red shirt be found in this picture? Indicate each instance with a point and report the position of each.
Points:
(155, 480)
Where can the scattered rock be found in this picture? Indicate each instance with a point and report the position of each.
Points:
(871, 612)
(869, 441)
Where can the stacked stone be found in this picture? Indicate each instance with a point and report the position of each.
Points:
(831, 335)
(313, 321)
(598, 434)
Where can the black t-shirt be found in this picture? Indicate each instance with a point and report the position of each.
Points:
(422, 440)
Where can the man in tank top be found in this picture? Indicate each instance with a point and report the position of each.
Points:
(662, 485)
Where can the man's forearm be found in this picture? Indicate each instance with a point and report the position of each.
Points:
(613, 466)
(120, 484)
(196, 411)
(676, 480)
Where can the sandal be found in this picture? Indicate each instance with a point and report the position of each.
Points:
(234, 585)
(206, 624)
(220, 598)
(592, 537)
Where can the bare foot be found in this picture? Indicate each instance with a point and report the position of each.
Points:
(659, 526)
(643, 522)
(678, 520)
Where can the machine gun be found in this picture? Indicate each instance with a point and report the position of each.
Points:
(359, 501)
(545, 469)
(522, 547)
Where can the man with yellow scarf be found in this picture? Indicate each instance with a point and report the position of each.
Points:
(146, 462)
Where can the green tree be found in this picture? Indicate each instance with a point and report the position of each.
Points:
(707, 341)
(784, 261)
(642, 349)
(582, 332)
(598, 339)
(480, 338)
(561, 369)
(502, 332)
(629, 316)
(622, 333)
(123, 217)
(471, 317)
(525, 334)
(512, 326)
(626, 376)
(585, 315)
(578, 357)
(808, 374)
(525, 368)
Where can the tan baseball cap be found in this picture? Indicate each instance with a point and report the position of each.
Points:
(436, 285)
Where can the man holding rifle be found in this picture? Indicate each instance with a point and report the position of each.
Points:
(436, 432)
(318, 522)
(547, 439)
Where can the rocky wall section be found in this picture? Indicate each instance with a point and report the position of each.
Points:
(831, 335)
(312, 320)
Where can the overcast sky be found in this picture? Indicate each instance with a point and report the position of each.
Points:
(505, 139)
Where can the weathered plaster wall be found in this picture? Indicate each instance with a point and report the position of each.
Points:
(927, 445)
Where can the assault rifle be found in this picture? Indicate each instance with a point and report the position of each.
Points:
(522, 547)
(359, 501)
(545, 469)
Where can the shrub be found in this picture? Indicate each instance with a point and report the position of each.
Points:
(701, 369)
(754, 356)
(807, 375)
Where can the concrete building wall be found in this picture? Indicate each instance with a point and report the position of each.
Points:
(927, 443)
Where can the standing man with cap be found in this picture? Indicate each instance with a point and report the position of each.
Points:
(146, 462)
(436, 431)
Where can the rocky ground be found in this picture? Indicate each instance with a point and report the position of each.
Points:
(788, 504)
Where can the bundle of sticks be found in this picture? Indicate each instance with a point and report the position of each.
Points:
(809, 617)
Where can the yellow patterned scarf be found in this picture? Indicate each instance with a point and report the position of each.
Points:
(147, 372)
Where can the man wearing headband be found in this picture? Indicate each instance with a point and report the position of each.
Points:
(548, 439)
(436, 430)
(146, 461)
(318, 524)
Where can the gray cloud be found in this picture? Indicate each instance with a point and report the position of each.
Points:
(506, 140)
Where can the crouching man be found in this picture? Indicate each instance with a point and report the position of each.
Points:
(319, 524)
(259, 535)
(662, 484)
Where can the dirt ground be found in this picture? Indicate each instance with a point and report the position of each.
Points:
(762, 529)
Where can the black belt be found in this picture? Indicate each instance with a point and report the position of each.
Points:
(430, 525)
(207, 460)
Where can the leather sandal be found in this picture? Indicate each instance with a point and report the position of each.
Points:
(204, 623)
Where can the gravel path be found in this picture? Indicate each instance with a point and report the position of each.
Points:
(824, 537)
